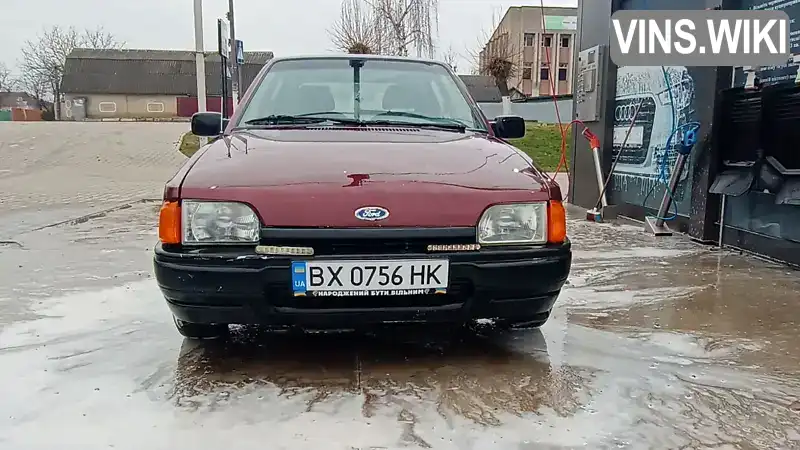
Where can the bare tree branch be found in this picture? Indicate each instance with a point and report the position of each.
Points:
(496, 55)
(35, 84)
(100, 39)
(43, 57)
(450, 57)
(356, 30)
(409, 23)
(7, 81)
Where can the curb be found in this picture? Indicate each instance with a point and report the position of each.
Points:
(94, 215)
(179, 143)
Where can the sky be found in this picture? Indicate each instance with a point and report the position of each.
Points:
(283, 27)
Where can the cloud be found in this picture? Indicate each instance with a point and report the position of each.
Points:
(283, 27)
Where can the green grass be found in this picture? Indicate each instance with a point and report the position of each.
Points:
(189, 144)
(542, 142)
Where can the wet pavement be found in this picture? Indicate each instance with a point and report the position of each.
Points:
(54, 171)
(654, 344)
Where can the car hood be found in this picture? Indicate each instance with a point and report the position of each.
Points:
(319, 177)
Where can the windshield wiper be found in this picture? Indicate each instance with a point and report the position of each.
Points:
(304, 119)
(440, 122)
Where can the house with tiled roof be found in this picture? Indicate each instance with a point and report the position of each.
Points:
(98, 84)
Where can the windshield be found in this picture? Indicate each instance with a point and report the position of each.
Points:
(366, 90)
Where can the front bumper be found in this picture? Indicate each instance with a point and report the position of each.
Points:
(241, 287)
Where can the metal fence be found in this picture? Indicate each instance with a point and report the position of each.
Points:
(544, 111)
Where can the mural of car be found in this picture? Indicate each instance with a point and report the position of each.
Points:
(351, 191)
(647, 142)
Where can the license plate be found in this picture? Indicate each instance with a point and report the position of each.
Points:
(358, 278)
(635, 138)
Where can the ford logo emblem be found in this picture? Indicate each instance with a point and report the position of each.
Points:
(372, 213)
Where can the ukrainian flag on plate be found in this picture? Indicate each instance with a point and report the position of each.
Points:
(299, 278)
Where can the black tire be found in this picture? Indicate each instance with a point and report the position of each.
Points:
(200, 330)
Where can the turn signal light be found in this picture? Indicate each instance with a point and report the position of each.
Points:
(556, 222)
(169, 223)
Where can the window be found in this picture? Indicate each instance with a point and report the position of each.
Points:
(155, 107)
(562, 72)
(547, 40)
(564, 41)
(107, 107)
(530, 38)
(323, 87)
(527, 70)
(544, 72)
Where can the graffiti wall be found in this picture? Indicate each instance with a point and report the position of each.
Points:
(645, 146)
(673, 99)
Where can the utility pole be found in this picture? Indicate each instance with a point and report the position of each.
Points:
(224, 54)
(56, 78)
(200, 56)
(235, 79)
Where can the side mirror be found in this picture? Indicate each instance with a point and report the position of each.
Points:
(208, 124)
(508, 127)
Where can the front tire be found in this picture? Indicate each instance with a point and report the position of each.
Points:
(200, 330)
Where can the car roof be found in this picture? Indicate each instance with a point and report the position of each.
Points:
(356, 56)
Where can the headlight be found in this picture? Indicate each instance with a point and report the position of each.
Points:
(219, 223)
(524, 223)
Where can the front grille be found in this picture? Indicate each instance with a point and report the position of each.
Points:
(623, 112)
(327, 242)
(459, 291)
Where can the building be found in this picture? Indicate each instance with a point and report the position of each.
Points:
(482, 88)
(524, 37)
(21, 100)
(139, 84)
(20, 107)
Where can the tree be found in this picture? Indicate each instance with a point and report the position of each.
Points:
(98, 38)
(450, 57)
(36, 84)
(497, 56)
(44, 56)
(7, 81)
(356, 30)
(408, 24)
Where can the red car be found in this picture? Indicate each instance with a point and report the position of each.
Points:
(350, 191)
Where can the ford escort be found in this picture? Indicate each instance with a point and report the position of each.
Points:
(349, 191)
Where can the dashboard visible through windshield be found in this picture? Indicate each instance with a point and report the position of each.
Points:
(360, 91)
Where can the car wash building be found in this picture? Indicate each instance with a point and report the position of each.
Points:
(741, 181)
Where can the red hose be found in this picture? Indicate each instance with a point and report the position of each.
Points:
(562, 128)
